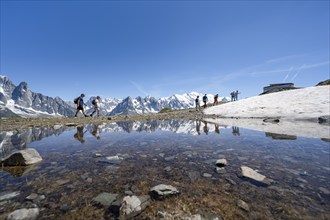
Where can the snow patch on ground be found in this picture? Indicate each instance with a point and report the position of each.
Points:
(292, 108)
(311, 102)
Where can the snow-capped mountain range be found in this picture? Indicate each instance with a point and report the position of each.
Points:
(20, 101)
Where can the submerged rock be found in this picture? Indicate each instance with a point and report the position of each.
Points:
(207, 175)
(253, 175)
(132, 206)
(35, 197)
(193, 176)
(105, 199)
(24, 214)
(221, 163)
(111, 160)
(162, 191)
(24, 157)
(220, 170)
(243, 205)
(8, 196)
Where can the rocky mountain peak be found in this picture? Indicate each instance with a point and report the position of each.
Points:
(22, 95)
(21, 101)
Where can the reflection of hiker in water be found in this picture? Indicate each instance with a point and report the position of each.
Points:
(205, 128)
(235, 131)
(96, 132)
(198, 127)
(216, 128)
(80, 134)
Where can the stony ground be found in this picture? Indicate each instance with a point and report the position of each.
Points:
(19, 123)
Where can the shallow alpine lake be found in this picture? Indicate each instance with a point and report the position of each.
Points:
(129, 158)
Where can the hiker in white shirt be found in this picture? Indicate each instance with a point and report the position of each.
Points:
(96, 105)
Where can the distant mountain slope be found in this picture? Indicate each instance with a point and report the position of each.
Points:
(20, 101)
(150, 104)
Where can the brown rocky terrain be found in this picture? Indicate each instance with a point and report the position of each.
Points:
(19, 123)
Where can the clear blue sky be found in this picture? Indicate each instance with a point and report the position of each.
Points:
(159, 48)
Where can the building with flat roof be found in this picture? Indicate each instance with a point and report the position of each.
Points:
(278, 87)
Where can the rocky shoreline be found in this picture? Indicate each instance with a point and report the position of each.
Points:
(11, 124)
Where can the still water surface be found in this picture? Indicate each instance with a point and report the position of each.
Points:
(173, 152)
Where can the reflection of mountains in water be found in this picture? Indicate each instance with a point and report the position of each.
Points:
(175, 126)
(20, 139)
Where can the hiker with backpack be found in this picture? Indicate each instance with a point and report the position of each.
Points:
(198, 106)
(96, 105)
(205, 99)
(80, 104)
(216, 99)
(232, 96)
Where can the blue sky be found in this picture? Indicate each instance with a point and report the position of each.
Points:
(159, 48)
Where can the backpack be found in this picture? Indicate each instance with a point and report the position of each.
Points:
(94, 102)
(76, 100)
(204, 98)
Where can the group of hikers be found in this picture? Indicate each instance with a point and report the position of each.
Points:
(96, 103)
(234, 97)
(79, 101)
(205, 100)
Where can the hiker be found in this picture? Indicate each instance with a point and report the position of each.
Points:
(215, 100)
(205, 99)
(80, 104)
(232, 96)
(197, 104)
(236, 95)
(80, 134)
(96, 105)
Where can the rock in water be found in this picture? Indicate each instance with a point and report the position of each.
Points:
(161, 191)
(24, 214)
(243, 205)
(132, 206)
(24, 157)
(221, 163)
(105, 199)
(253, 175)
